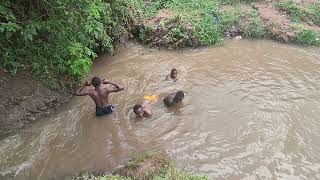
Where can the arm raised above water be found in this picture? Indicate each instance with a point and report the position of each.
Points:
(81, 91)
(117, 87)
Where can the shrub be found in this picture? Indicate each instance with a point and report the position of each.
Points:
(59, 38)
(307, 37)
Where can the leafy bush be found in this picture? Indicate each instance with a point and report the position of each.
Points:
(58, 38)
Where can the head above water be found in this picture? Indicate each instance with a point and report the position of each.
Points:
(138, 110)
(179, 97)
(96, 81)
(174, 73)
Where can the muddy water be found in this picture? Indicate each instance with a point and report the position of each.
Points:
(251, 111)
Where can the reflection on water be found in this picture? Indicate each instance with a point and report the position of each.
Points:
(251, 111)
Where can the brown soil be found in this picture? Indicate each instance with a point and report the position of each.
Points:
(279, 25)
(158, 29)
(163, 15)
(23, 100)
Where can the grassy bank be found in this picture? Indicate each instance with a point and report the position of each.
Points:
(179, 23)
(147, 166)
(57, 40)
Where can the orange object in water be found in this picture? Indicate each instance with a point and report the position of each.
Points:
(151, 98)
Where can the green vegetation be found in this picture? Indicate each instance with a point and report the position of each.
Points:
(146, 166)
(307, 37)
(58, 39)
(194, 23)
(254, 27)
(236, 1)
(297, 13)
(229, 19)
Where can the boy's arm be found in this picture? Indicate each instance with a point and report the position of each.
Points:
(81, 92)
(117, 87)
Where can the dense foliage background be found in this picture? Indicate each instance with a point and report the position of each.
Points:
(57, 39)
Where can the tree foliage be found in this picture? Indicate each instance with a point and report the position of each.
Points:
(58, 38)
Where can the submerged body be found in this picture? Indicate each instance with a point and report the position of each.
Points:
(173, 99)
(144, 109)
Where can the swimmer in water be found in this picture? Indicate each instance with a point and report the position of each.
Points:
(173, 75)
(173, 99)
(145, 109)
(100, 94)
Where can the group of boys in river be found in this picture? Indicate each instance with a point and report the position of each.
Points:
(101, 90)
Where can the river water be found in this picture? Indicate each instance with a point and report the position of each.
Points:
(251, 111)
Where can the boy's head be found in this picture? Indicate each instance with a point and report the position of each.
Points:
(174, 73)
(138, 110)
(179, 97)
(96, 81)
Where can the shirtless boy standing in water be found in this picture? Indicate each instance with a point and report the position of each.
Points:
(99, 94)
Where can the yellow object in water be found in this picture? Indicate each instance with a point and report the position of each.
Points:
(151, 98)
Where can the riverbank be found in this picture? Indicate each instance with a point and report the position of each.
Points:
(24, 100)
(61, 54)
(176, 24)
(145, 166)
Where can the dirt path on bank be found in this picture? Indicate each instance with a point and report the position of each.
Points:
(23, 101)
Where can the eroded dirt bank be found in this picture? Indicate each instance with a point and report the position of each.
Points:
(23, 101)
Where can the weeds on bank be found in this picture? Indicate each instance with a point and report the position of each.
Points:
(89, 176)
(236, 1)
(307, 37)
(160, 169)
(173, 173)
(297, 13)
(229, 19)
(195, 19)
(254, 28)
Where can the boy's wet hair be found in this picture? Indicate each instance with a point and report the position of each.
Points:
(96, 81)
(179, 96)
(173, 70)
(136, 108)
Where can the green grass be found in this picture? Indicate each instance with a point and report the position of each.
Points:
(229, 19)
(313, 12)
(162, 170)
(307, 37)
(236, 1)
(298, 13)
(173, 173)
(194, 19)
(89, 176)
(254, 28)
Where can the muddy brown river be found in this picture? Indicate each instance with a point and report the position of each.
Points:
(252, 111)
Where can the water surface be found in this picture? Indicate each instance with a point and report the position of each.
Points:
(251, 112)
